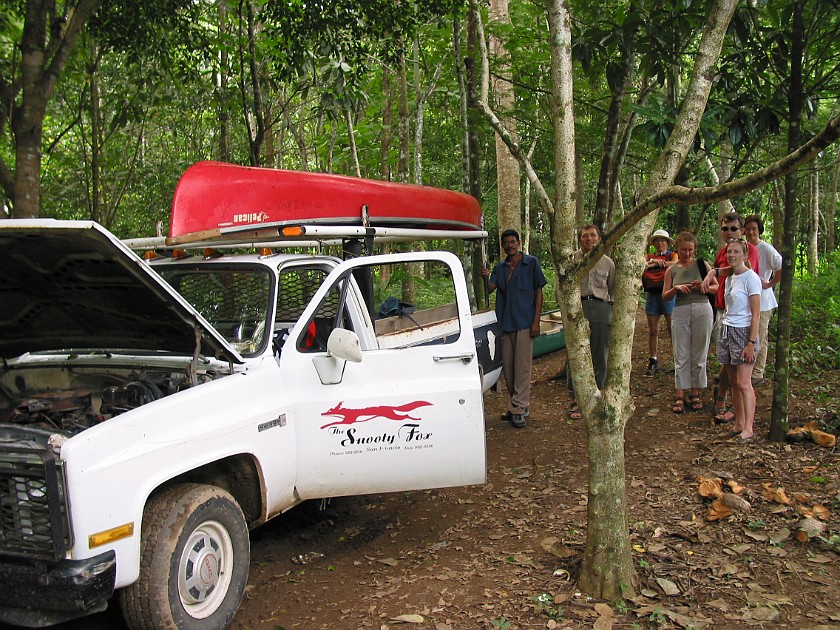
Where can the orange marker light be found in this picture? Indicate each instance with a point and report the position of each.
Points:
(292, 231)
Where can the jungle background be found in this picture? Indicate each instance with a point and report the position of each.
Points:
(103, 104)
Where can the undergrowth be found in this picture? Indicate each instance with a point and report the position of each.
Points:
(815, 315)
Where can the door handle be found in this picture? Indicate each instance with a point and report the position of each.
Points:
(466, 358)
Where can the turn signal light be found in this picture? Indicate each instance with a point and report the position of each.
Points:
(110, 535)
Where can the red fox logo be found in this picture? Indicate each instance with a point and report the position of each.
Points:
(351, 416)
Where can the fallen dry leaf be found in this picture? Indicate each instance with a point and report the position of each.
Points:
(735, 502)
(710, 487)
(603, 623)
(389, 561)
(718, 511)
(821, 512)
(605, 610)
(408, 619)
(777, 495)
(736, 487)
(667, 586)
(808, 470)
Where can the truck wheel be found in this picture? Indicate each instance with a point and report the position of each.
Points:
(194, 561)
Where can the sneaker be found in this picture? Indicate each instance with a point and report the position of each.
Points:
(508, 416)
(653, 364)
(518, 420)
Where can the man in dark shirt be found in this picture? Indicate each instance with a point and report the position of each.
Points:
(519, 279)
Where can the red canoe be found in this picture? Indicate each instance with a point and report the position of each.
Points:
(214, 198)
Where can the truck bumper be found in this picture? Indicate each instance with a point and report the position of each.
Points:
(44, 594)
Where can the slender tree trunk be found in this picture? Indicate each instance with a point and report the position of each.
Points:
(831, 206)
(256, 150)
(813, 219)
(507, 167)
(351, 138)
(385, 139)
(472, 123)
(404, 163)
(96, 135)
(723, 174)
(777, 204)
(222, 81)
(781, 392)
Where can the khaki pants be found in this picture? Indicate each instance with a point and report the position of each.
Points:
(517, 357)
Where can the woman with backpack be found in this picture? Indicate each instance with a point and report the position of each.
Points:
(653, 279)
(691, 322)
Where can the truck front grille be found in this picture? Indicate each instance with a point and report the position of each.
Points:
(33, 511)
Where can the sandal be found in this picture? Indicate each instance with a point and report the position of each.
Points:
(574, 411)
(724, 415)
(694, 402)
(679, 405)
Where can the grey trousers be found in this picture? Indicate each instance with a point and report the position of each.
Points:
(599, 316)
(691, 328)
(517, 357)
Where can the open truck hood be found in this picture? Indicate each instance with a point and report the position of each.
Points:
(72, 285)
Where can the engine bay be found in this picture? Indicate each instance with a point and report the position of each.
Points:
(73, 399)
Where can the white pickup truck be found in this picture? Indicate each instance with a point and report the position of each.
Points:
(152, 413)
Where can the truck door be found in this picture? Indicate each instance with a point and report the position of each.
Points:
(409, 415)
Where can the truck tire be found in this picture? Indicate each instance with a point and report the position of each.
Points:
(188, 526)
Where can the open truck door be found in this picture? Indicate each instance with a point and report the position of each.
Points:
(392, 404)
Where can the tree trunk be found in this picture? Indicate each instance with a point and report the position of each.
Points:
(385, 138)
(96, 134)
(404, 162)
(222, 81)
(44, 53)
(812, 250)
(471, 119)
(831, 206)
(781, 391)
(507, 168)
(255, 146)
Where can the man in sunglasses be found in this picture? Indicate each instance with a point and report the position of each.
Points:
(731, 229)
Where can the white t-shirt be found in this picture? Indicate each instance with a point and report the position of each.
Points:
(736, 295)
(770, 260)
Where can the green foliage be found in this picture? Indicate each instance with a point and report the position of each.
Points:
(544, 605)
(815, 314)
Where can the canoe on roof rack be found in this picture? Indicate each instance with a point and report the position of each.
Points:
(219, 201)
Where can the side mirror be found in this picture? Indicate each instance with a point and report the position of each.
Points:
(342, 346)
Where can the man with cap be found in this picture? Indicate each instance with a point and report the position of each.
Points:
(653, 278)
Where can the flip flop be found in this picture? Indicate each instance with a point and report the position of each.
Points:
(746, 439)
(574, 411)
(731, 434)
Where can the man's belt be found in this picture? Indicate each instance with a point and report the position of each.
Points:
(591, 297)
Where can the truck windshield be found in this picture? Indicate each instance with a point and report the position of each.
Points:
(235, 300)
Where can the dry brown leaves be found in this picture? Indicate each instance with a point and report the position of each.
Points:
(812, 432)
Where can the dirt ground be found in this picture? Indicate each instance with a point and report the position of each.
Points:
(506, 554)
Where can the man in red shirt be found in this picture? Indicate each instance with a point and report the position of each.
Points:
(732, 228)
